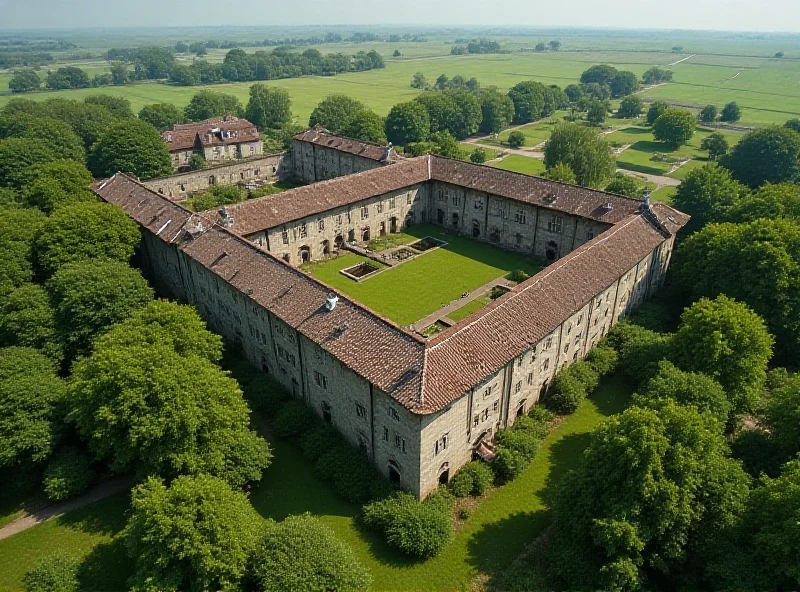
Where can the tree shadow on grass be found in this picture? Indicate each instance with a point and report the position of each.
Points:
(105, 569)
(107, 516)
(565, 455)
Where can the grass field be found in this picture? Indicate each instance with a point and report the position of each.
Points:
(418, 288)
(767, 89)
(520, 164)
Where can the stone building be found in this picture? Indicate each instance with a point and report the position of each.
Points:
(218, 140)
(420, 408)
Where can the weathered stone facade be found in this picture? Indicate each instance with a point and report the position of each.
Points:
(267, 168)
(417, 407)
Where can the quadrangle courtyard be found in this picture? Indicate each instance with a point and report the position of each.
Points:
(417, 288)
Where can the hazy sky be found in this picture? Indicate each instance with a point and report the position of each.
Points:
(743, 15)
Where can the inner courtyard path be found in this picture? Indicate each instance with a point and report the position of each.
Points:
(456, 304)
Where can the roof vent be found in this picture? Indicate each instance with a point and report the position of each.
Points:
(607, 207)
(330, 301)
(225, 217)
(550, 198)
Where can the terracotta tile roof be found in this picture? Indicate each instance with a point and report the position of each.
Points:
(273, 210)
(210, 132)
(572, 199)
(322, 137)
(372, 346)
(461, 357)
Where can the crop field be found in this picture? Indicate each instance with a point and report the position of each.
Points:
(768, 90)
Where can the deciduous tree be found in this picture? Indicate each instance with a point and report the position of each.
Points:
(268, 107)
(716, 144)
(58, 183)
(407, 123)
(131, 146)
(655, 111)
(162, 116)
(631, 106)
(602, 74)
(368, 126)
(674, 127)
(579, 147)
(207, 104)
(336, 112)
(27, 319)
(709, 113)
(768, 201)
(623, 83)
(24, 81)
(707, 194)
(18, 155)
(731, 113)
(766, 155)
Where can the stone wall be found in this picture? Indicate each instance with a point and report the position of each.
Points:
(312, 163)
(269, 168)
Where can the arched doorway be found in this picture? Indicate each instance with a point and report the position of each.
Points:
(351, 236)
(394, 471)
(444, 473)
(410, 220)
(440, 216)
(326, 413)
(521, 409)
(338, 242)
(365, 235)
(455, 220)
(552, 250)
(212, 180)
(476, 228)
(326, 248)
(383, 229)
(305, 254)
(393, 224)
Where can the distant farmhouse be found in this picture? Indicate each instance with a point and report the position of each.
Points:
(419, 407)
(217, 140)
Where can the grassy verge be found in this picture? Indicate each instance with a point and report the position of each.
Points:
(469, 308)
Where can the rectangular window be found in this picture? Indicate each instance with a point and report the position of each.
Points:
(518, 387)
(303, 231)
(479, 204)
(393, 413)
(408, 199)
(442, 195)
(589, 235)
(455, 200)
(545, 364)
(578, 338)
(320, 225)
(339, 219)
(320, 380)
(476, 420)
(519, 360)
(379, 207)
(530, 377)
(580, 320)
(391, 203)
(487, 392)
(364, 212)
(549, 343)
(485, 414)
(555, 224)
(285, 237)
(361, 411)
(566, 348)
(496, 405)
(519, 217)
(445, 437)
(399, 442)
(385, 433)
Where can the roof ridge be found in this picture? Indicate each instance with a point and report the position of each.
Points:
(325, 132)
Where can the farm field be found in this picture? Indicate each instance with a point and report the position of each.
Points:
(505, 520)
(769, 93)
(415, 289)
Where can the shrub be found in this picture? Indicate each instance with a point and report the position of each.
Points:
(566, 394)
(516, 139)
(294, 419)
(473, 479)
(585, 374)
(351, 474)
(463, 514)
(508, 464)
(651, 315)
(67, 474)
(441, 499)
(538, 425)
(57, 572)
(603, 359)
(380, 513)
(640, 350)
(319, 441)
(478, 156)
(302, 554)
(524, 442)
(420, 530)
(518, 276)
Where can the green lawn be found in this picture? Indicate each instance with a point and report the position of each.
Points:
(415, 289)
(89, 532)
(466, 310)
(520, 164)
(664, 194)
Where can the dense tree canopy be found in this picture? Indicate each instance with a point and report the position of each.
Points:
(631, 106)
(768, 201)
(655, 111)
(336, 112)
(268, 107)
(709, 113)
(716, 144)
(18, 155)
(674, 127)
(58, 183)
(652, 490)
(766, 155)
(727, 341)
(707, 194)
(190, 416)
(59, 135)
(497, 111)
(301, 554)
(130, 146)
(90, 296)
(601, 74)
(596, 112)
(195, 535)
(30, 390)
(25, 80)
(207, 104)
(27, 319)
(623, 84)
(757, 263)
(18, 227)
(731, 113)
(81, 231)
(454, 110)
(407, 123)
(579, 147)
(534, 100)
(624, 185)
(162, 116)
(782, 415)
(368, 126)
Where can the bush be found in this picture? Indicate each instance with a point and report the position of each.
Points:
(67, 474)
(441, 499)
(508, 464)
(478, 156)
(420, 530)
(585, 374)
(651, 315)
(294, 419)
(302, 554)
(538, 425)
(518, 276)
(566, 394)
(319, 441)
(57, 572)
(351, 474)
(472, 479)
(541, 414)
(640, 350)
(380, 513)
(516, 139)
(463, 514)
(603, 359)
(524, 442)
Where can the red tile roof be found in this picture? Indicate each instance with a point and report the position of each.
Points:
(322, 137)
(210, 132)
(273, 210)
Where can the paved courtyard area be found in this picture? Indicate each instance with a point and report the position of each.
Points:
(416, 289)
